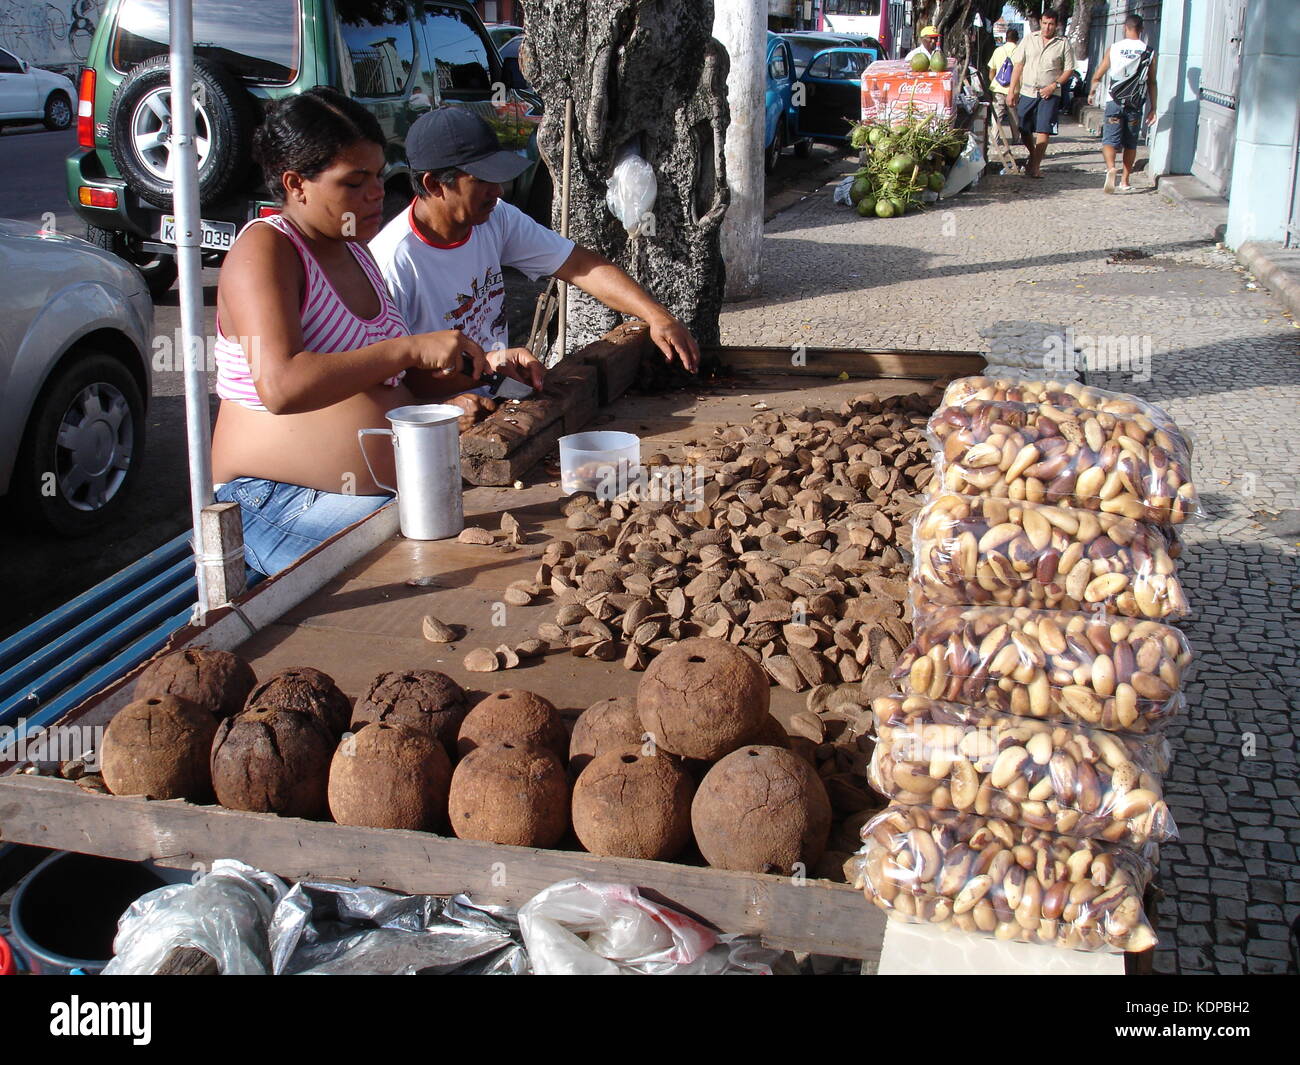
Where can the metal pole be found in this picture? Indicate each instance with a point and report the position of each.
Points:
(185, 184)
(562, 339)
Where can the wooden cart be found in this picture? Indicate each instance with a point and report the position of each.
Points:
(354, 606)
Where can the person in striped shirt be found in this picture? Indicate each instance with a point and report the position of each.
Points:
(310, 346)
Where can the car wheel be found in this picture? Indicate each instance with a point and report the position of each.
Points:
(803, 148)
(140, 130)
(158, 270)
(58, 111)
(773, 153)
(82, 449)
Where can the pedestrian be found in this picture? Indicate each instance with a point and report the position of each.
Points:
(1000, 73)
(928, 46)
(310, 347)
(1129, 68)
(443, 256)
(1043, 63)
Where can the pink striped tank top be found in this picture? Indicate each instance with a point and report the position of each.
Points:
(327, 324)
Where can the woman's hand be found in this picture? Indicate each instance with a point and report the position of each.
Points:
(443, 353)
(476, 408)
(519, 363)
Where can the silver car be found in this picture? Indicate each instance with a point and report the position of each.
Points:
(75, 378)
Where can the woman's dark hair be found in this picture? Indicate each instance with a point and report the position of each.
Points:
(306, 133)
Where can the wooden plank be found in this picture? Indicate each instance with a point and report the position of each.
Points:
(810, 915)
(856, 362)
(479, 470)
(188, 961)
(582, 397)
(617, 357)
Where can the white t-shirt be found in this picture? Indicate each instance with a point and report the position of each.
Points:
(920, 49)
(461, 286)
(1124, 56)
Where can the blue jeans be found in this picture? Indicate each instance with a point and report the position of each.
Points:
(282, 522)
(1121, 126)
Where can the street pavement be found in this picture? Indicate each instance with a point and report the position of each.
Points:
(1013, 262)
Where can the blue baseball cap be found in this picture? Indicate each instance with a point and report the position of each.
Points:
(454, 137)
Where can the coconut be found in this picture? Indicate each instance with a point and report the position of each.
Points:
(761, 810)
(158, 747)
(216, 680)
(390, 776)
(631, 805)
(608, 725)
(770, 733)
(508, 793)
(514, 716)
(423, 699)
(308, 691)
(702, 698)
(272, 761)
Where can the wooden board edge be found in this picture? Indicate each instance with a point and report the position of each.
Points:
(856, 362)
(810, 915)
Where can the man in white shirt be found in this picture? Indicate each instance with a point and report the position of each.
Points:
(929, 42)
(443, 256)
(1122, 118)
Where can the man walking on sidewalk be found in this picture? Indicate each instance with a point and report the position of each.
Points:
(1000, 67)
(1131, 66)
(1042, 64)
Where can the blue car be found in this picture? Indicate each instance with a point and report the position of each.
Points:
(781, 119)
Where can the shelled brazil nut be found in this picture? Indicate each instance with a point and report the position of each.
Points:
(1059, 394)
(975, 550)
(1060, 778)
(1086, 459)
(1015, 883)
(1113, 673)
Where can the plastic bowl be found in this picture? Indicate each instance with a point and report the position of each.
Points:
(602, 462)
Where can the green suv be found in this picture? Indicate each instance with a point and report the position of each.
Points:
(397, 57)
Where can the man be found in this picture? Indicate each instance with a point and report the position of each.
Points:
(1001, 57)
(1042, 64)
(1131, 64)
(443, 257)
(929, 42)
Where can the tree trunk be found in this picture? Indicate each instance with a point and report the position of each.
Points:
(645, 74)
(1080, 26)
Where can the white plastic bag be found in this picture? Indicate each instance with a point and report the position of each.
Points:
(632, 190)
(576, 928)
(966, 171)
(225, 914)
(841, 193)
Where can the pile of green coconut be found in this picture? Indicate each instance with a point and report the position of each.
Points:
(901, 160)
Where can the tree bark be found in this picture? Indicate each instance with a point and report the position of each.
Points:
(645, 74)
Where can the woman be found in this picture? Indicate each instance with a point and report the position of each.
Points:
(310, 347)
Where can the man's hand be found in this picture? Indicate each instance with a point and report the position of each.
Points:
(1092, 96)
(1047, 92)
(519, 363)
(1013, 97)
(476, 408)
(675, 341)
(1151, 116)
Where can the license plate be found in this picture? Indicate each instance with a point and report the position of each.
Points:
(216, 236)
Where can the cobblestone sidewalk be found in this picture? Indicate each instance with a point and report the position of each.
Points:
(1002, 266)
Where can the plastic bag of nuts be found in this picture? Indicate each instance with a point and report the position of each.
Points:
(975, 550)
(1113, 673)
(1059, 394)
(1060, 778)
(980, 874)
(1075, 457)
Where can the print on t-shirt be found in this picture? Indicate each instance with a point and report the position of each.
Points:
(472, 310)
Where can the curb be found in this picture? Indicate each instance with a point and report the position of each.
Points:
(1262, 260)
(1213, 229)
